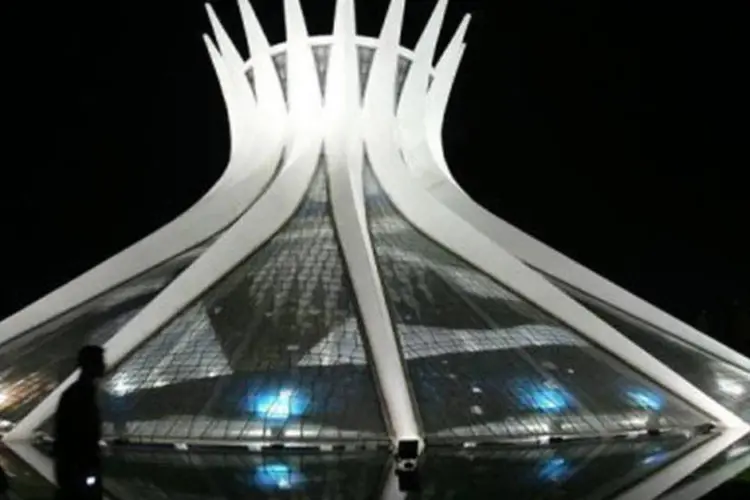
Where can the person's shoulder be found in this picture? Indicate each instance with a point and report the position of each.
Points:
(72, 392)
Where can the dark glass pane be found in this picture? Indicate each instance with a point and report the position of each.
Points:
(726, 383)
(486, 363)
(272, 352)
(25, 482)
(156, 475)
(33, 364)
(736, 457)
(571, 471)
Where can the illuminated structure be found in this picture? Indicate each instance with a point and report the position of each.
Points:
(337, 286)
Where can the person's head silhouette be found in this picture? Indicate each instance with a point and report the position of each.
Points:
(91, 362)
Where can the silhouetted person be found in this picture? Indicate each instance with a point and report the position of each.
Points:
(78, 431)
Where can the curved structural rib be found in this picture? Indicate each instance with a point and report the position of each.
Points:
(222, 205)
(424, 151)
(443, 226)
(351, 125)
(242, 181)
(345, 152)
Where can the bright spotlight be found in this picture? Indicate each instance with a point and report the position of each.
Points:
(645, 399)
(277, 476)
(279, 405)
(730, 387)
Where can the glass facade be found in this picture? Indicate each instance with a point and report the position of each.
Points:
(575, 471)
(569, 471)
(321, 53)
(33, 364)
(156, 475)
(485, 363)
(726, 383)
(272, 352)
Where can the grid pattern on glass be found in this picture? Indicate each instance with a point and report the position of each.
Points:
(519, 372)
(570, 471)
(726, 383)
(272, 352)
(156, 475)
(36, 362)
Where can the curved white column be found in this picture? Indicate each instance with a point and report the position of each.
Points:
(405, 150)
(273, 208)
(243, 180)
(344, 150)
(255, 227)
(413, 104)
(445, 227)
(427, 161)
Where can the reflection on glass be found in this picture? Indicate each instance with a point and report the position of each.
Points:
(646, 399)
(543, 397)
(594, 471)
(726, 383)
(26, 483)
(160, 474)
(279, 405)
(277, 476)
(484, 363)
(738, 454)
(273, 351)
(555, 469)
(34, 363)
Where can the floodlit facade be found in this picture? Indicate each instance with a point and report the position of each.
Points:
(337, 287)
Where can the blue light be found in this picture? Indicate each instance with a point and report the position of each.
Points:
(542, 397)
(279, 405)
(555, 470)
(277, 476)
(656, 458)
(648, 400)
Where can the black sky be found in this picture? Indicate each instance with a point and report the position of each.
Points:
(613, 136)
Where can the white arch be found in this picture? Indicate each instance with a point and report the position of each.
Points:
(345, 160)
(241, 183)
(445, 227)
(253, 228)
(423, 148)
(416, 185)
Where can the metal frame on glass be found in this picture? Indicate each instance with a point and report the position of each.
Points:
(420, 119)
(277, 105)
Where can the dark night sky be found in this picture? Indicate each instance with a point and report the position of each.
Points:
(116, 125)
